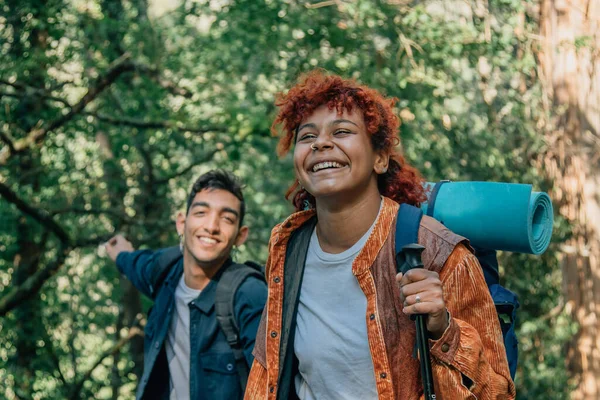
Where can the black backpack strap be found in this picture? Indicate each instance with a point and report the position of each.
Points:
(229, 283)
(164, 262)
(407, 232)
(407, 226)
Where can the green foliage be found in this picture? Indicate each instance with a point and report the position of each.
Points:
(201, 95)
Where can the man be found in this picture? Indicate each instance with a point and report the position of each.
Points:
(186, 353)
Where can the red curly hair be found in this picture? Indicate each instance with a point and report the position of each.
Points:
(402, 182)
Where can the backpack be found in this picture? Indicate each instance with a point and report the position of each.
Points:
(229, 283)
(506, 302)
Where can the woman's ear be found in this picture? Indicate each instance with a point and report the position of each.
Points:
(381, 162)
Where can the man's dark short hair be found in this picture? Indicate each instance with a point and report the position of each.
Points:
(218, 179)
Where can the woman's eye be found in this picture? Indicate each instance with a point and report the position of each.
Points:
(341, 132)
(307, 136)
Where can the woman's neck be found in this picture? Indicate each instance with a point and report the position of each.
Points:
(341, 225)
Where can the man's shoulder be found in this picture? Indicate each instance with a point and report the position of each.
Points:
(242, 277)
(252, 289)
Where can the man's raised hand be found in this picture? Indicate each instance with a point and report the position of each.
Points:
(117, 244)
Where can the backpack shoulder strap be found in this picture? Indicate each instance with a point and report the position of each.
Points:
(164, 262)
(433, 196)
(230, 282)
(407, 226)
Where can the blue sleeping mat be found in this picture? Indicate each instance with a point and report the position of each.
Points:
(494, 215)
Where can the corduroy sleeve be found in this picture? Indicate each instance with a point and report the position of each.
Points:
(469, 360)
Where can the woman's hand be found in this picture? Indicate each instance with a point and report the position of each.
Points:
(421, 292)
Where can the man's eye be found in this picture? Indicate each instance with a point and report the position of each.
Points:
(199, 213)
(229, 219)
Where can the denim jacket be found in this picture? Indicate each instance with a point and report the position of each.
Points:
(212, 371)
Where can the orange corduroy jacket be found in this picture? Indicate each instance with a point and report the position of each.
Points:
(468, 361)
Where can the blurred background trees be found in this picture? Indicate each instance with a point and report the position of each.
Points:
(110, 108)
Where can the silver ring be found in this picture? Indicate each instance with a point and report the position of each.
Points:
(313, 147)
(418, 299)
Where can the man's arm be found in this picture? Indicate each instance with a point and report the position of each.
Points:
(250, 300)
(137, 266)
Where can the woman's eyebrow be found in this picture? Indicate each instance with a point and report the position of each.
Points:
(308, 125)
(339, 121)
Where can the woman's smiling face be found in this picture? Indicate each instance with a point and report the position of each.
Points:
(334, 154)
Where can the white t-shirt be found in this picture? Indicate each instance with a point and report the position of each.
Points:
(331, 341)
(178, 342)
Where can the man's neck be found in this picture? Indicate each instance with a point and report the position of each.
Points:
(340, 226)
(196, 276)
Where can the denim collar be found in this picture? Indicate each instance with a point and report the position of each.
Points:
(206, 299)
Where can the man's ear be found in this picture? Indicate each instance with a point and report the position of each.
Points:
(180, 223)
(242, 236)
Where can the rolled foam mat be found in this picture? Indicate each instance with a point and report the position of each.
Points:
(494, 215)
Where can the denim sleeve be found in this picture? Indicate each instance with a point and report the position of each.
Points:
(137, 266)
(250, 300)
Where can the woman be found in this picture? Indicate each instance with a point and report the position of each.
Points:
(337, 322)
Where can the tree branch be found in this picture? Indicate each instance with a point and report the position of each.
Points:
(5, 137)
(93, 241)
(133, 332)
(78, 210)
(140, 124)
(172, 88)
(52, 353)
(185, 170)
(36, 92)
(39, 216)
(13, 297)
(17, 294)
(36, 135)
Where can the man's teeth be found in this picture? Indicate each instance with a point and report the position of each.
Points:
(208, 240)
(327, 164)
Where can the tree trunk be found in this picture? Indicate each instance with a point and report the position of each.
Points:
(27, 260)
(570, 64)
(130, 301)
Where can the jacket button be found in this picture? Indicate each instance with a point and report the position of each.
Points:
(272, 389)
(383, 375)
(445, 347)
(273, 334)
(156, 345)
(277, 279)
(229, 367)
(372, 317)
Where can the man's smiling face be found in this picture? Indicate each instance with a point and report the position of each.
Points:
(212, 227)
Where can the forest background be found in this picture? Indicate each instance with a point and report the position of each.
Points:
(110, 108)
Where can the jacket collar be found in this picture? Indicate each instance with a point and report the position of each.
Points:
(206, 300)
(366, 257)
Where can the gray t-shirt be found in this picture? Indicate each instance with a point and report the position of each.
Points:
(331, 334)
(178, 342)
